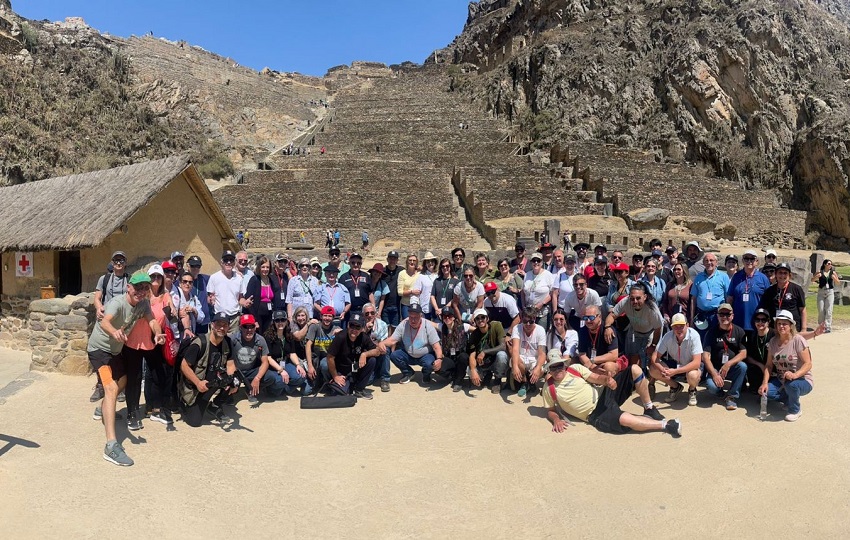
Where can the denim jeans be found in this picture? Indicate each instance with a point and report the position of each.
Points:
(296, 380)
(390, 315)
(403, 361)
(790, 393)
(737, 374)
(271, 382)
(495, 363)
(382, 368)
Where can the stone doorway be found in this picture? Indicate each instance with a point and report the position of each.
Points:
(70, 273)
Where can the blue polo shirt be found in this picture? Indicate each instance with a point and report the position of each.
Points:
(746, 293)
(336, 296)
(710, 292)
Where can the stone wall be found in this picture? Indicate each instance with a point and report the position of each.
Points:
(55, 330)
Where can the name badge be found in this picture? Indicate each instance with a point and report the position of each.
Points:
(724, 358)
(581, 324)
(746, 297)
(592, 355)
(269, 306)
(709, 296)
(453, 351)
(282, 296)
(357, 292)
(442, 301)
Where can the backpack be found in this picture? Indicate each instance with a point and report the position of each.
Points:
(107, 282)
(171, 346)
(187, 391)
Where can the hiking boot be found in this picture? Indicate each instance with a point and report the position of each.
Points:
(97, 394)
(163, 417)
(121, 397)
(360, 394)
(496, 387)
(523, 390)
(653, 413)
(385, 386)
(114, 453)
(730, 404)
(456, 388)
(134, 423)
(674, 427)
(692, 397)
(405, 379)
(98, 414)
(674, 394)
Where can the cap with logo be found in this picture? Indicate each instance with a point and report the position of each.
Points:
(569, 258)
(601, 259)
(670, 249)
(328, 310)
(536, 255)
(479, 312)
(194, 260)
(247, 319)
(678, 319)
(177, 255)
(724, 307)
(168, 265)
(228, 254)
(356, 320)
(731, 257)
(392, 253)
(490, 286)
(279, 315)
(447, 311)
(281, 257)
(331, 269)
(783, 266)
(219, 317)
(155, 269)
(414, 308)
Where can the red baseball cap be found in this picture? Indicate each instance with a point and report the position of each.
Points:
(247, 319)
(490, 287)
(328, 310)
(619, 267)
(168, 265)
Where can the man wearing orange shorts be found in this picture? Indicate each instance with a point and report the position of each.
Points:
(120, 317)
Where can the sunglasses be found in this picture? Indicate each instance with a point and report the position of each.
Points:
(369, 313)
(187, 281)
(469, 277)
(588, 317)
(458, 256)
(194, 266)
(480, 318)
(242, 261)
(247, 326)
(445, 266)
(536, 261)
(580, 285)
(760, 320)
(229, 261)
(119, 261)
(557, 367)
(355, 263)
(616, 258)
(749, 258)
(725, 314)
(491, 293)
(171, 272)
(143, 288)
(280, 320)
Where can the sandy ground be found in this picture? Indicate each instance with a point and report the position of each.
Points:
(434, 464)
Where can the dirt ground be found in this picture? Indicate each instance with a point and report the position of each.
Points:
(430, 464)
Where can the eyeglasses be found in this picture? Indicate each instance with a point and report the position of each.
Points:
(187, 281)
(616, 258)
(724, 314)
(369, 313)
(457, 256)
(760, 320)
(122, 262)
(588, 317)
(580, 285)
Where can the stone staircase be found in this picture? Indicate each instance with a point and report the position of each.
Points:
(399, 166)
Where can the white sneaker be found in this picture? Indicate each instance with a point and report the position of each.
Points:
(692, 397)
(793, 417)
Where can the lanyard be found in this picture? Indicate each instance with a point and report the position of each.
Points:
(761, 347)
(306, 287)
(332, 292)
(412, 335)
(782, 296)
(594, 336)
(728, 337)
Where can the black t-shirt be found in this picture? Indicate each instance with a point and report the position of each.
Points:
(346, 352)
(586, 342)
(277, 349)
(216, 355)
(600, 285)
(443, 291)
(392, 282)
(757, 346)
(295, 346)
(792, 299)
(719, 342)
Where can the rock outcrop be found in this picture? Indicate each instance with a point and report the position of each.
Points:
(755, 90)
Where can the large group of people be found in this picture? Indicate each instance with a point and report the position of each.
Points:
(585, 329)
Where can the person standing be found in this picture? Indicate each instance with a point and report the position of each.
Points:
(109, 286)
(223, 290)
(356, 281)
(786, 295)
(746, 290)
(708, 291)
(390, 310)
(199, 290)
(827, 278)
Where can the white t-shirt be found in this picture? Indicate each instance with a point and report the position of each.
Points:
(528, 345)
(425, 282)
(466, 300)
(565, 287)
(503, 310)
(226, 292)
(535, 288)
(691, 345)
(590, 299)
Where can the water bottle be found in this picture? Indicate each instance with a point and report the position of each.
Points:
(763, 409)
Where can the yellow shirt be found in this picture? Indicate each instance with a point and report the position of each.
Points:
(405, 283)
(576, 396)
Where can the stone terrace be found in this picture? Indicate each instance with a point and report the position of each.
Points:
(632, 179)
(396, 150)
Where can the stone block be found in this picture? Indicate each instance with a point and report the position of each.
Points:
(697, 225)
(72, 322)
(75, 365)
(82, 302)
(725, 231)
(54, 306)
(642, 219)
(37, 326)
(842, 294)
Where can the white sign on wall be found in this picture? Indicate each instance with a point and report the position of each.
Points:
(23, 264)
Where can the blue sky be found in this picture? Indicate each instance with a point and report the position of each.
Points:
(307, 36)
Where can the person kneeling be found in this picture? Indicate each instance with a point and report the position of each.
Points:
(251, 354)
(575, 390)
(351, 359)
(207, 369)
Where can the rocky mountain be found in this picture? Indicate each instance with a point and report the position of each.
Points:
(755, 90)
(75, 100)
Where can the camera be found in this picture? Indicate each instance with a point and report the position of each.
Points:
(220, 379)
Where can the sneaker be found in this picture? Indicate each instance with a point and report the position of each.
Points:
(253, 400)
(456, 388)
(523, 390)
(674, 394)
(793, 417)
(121, 397)
(427, 379)
(692, 397)
(360, 394)
(134, 423)
(115, 454)
(496, 387)
(163, 417)
(218, 413)
(97, 394)
(385, 386)
(674, 427)
(406, 379)
(730, 404)
(98, 414)
(653, 413)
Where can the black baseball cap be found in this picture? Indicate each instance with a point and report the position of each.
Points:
(279, 315)
(415, 308)
(356, 319)
(219, 317)
(194, 260)
(228, 254)
(519, 247)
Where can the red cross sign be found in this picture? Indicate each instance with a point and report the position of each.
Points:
(23, 264)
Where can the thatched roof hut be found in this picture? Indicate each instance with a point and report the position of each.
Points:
(147, 210)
